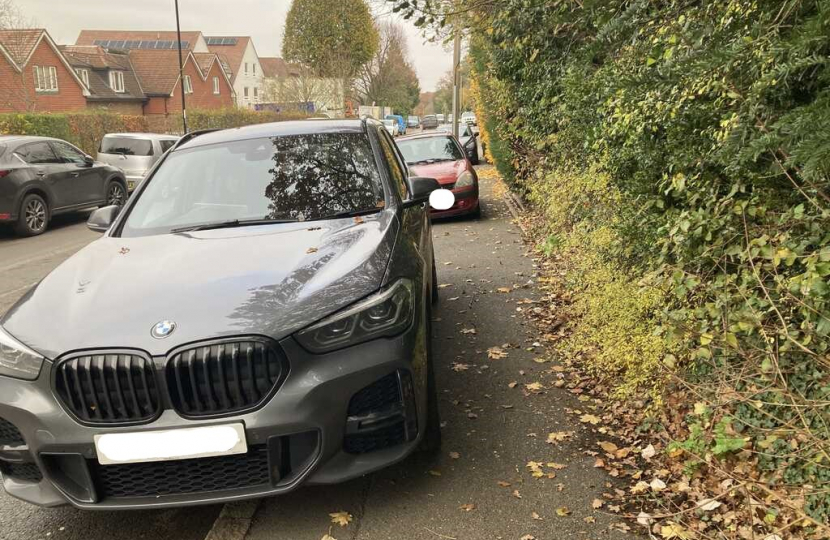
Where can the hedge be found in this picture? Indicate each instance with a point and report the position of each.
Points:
(86, 129)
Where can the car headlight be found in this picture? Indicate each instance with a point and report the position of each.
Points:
(18, 360)
(386, 313)
(465, 179)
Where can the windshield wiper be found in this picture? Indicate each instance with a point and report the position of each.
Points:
(348, 213)
(230, 224)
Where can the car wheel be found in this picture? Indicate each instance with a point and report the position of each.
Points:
(34, 216)
(432, 434)
(477, 212)
(116, 194)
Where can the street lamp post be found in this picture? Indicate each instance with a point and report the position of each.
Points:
(181, 68)
(456, 86)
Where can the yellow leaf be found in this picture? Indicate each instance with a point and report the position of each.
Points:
(534, 386)
(590, 419)
(673, 530)
(341, 518)
(597, 504)
(504, 289)
(608, 446)
(328, 537)
(563, 511)
(467, 507)
(559, 436)
(496, 353)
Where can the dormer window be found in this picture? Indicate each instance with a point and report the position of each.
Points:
(84, 75)
(117, 81)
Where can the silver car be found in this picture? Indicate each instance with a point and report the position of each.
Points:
(134, 153)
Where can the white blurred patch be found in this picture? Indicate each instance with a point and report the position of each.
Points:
(171, 444)
(441, 199)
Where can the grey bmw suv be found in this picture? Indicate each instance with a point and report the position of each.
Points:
(256, 317)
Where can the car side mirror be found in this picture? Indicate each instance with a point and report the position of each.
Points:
(88, 161)
(101, 219)
(421, 188)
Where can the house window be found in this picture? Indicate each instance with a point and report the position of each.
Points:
(254, 67)
(246, 68)
(246, 92)
(188, 87)
(46, 79)
(216, 85)
(84, 75)
(117, 81)
(256, 95)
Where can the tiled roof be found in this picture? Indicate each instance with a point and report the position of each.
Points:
(88, 37)
(157, 70)
(205, 60)
(232, 54)
(19, 43)
(99, 62)
(273, 67)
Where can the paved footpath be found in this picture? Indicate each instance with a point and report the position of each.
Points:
(492, 430)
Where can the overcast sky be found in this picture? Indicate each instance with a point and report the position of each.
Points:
(262, 19)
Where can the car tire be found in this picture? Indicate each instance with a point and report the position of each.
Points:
(116, 194)
(33, 217)
(477, 212)
(431, 442)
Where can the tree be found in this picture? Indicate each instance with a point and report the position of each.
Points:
(388, 78)
(333, 39)
(443, 92)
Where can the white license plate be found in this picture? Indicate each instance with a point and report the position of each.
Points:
(130, 185)
(171, 444)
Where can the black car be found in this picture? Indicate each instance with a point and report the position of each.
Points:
(41, 177)
(256, 317)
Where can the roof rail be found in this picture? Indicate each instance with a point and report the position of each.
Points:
(191, 135)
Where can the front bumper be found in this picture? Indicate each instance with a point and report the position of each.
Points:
(133, 181)
(298, 436)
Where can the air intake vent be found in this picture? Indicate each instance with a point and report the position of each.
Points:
(222, 377)
(109, 388)
(9, 434)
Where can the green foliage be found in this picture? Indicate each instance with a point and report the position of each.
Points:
(682, 150)
(333, 38)
(85, 130)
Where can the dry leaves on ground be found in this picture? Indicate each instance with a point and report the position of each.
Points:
(341, 518)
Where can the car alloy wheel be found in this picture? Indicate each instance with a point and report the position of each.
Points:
(115, 194)
(35, 215)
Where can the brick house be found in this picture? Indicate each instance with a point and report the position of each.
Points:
(206, 85)
(109, 77)
(35, 76)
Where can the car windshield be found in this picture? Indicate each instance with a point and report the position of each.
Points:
(300, 177)
(129, 146)
(429, 150)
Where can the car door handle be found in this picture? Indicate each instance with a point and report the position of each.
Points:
(75, 175)
(40, 173)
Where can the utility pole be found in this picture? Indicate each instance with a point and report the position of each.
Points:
(456, 83)
(181, 68)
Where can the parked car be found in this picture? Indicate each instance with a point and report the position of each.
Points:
(400, 121)
(429, 121)
(439, 155)
(134, 153)
(469, 118)
(413, 122)
(440, 118)
(41, 177)
(236, 332)
(468, 137)
(391, 126)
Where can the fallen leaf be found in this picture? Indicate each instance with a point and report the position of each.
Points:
(496, 353)
(536, 516)
(468, 330)
(563, 511)
(589, 519)
(311, 250)
(528, 537)
(557, 466)
(590, 419)
(708, 504)
(597, 503)
(559, 436)
(444, 285)
(467, 507)
(433, 472)
(460, 367)
(341, 518)
(648, 452)
(644, 519)
(513, 384)
(534, 387)
(657, 485)
(640, 487)
(455, 455)
(502, 483)
(517, 494)
(673, 530)
(504, 289)
(328, 537)
(608, 446)
(358, 220)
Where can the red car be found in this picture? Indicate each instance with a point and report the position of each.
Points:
(439, 155)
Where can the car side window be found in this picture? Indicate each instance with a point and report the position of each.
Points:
(69, 154)
(398, 175)
(167, 145)
(39, 153)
